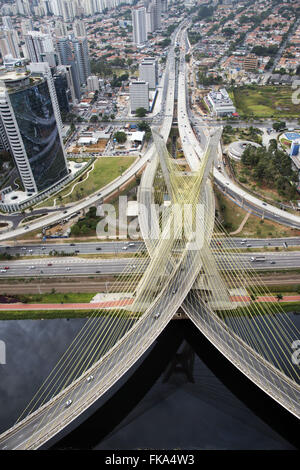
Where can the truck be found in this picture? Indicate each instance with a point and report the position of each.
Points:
(258, 258)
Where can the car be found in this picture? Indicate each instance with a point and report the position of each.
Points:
(23, 248)
(90, 377)
(264, 204)
(26, 227)
(98, 248)
(31, 267)
(174, 291)
(248, 245)
(49, 264)
(65, 212)
(68, 403)
(6, 267)
(2, 270)
(72, 244)
(97, 272)
(68, 269)
(131, 244)
(157, 315)
(77, 251)
(124, 248)
(273, 262)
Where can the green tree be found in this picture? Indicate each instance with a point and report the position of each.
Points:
(120, 137)
(141, 112)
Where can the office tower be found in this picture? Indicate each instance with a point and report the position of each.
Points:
(67, 71)
(93, 83)
(139, 95)
(79, 29)
(67, 57)
(81, 53)
(148, 72)
(43, 68)
(38, 43)
(26, 26)
(139, 25)
(7, 23)
(30, 121)
(4, 142)
(9, 43)
(62, 89)
(157, 14)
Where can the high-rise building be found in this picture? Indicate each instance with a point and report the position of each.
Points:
(139, 25)
(60, 29)
(148, 71)
(9, 43)
(79, 28)
(150, 18)
(38, 43)
(164, 6)
(139, 95)
(29, 118)
(157, 14)
(93, 83)
(67, 57)
(81, 53)
(26, 26)
(7, 23)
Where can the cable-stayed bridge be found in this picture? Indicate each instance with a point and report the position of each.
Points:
(180, 270)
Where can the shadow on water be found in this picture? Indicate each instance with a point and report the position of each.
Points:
(106, 418)
(162, 362)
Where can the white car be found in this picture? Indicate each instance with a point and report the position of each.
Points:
(157, 315)
(124, 248)
(68, 403)
(90, 377)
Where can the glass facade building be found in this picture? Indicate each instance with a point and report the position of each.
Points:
(34, 115)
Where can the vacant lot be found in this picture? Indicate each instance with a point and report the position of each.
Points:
(265, 101)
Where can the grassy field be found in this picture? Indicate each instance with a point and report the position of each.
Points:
(106, 169)
(265, 101)
(233, 216)
(55, 298)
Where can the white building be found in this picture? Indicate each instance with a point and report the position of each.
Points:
(220, 103)
(92, 83)
(38, 43)
(148, 71)
(139, 25)
(139, 95)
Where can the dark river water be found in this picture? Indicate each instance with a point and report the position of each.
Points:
(182, 395)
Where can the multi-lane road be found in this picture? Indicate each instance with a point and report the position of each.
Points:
(74, 266)
(116, 247)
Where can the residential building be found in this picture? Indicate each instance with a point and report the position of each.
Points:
(139, 95)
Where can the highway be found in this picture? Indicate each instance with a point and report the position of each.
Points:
(133, 246)
(74, 266)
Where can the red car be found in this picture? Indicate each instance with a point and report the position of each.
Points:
(49, 264)
(6, 267)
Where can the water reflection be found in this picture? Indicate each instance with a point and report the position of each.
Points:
(183, 394)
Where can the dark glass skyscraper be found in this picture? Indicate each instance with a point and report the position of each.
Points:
(30, 123)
